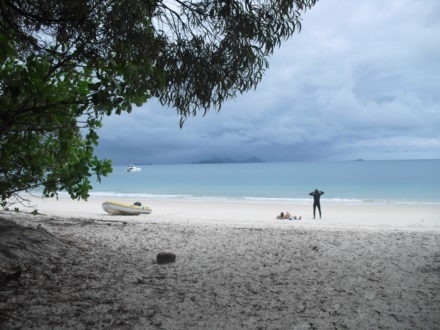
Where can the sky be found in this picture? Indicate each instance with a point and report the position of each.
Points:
(361, 80)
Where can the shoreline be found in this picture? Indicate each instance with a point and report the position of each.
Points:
(337, 201)
(176, 211)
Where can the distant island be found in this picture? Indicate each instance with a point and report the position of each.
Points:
(225, 160)
(359, 160)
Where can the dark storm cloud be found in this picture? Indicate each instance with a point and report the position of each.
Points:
(360, 81)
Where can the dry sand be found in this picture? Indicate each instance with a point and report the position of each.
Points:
(237, 267)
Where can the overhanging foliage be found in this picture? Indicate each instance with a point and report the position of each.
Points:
(65, 64)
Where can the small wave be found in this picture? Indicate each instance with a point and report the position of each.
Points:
(301, 201)
(414, 203)
(268, 200)
(138, 195)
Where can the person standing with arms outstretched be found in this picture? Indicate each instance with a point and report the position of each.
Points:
(316, 201)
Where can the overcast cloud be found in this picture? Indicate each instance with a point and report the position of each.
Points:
(361, 80)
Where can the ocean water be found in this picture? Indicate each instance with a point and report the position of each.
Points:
(413, 182)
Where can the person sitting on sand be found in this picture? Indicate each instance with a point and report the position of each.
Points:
(283, 215)
(287, 216)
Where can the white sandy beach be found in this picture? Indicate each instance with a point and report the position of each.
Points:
(181, 211)
(237, 267)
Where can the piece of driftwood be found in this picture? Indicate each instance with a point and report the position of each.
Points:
(9, 272)
(165, 258)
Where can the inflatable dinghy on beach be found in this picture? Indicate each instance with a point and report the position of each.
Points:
(117, 208)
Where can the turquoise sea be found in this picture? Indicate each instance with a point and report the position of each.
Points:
(412, 182)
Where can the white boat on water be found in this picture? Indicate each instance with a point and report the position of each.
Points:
(132, 168)
(117, 208)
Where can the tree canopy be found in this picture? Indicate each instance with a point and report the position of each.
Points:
(65, 64)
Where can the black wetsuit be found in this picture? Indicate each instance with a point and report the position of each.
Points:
(316, 201)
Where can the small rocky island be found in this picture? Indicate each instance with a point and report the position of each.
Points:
(226, 160)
